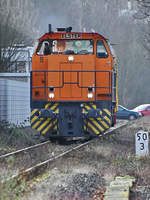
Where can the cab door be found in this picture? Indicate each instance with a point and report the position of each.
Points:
(104, 68)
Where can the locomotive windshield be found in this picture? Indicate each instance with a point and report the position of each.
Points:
(66, 47)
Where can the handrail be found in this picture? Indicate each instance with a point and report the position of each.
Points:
(77, 82)
(77, 71)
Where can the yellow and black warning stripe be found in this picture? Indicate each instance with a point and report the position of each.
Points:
(41, 124)
(97, 125)
(94, 126)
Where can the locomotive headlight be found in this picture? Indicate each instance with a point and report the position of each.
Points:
(71, 58)
(90, 95)
(51, 93)
(90, 92)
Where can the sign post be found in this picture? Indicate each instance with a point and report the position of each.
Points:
(142, 139)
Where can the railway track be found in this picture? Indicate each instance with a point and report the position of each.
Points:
(28, 157)
(37, 166)
(25, 150)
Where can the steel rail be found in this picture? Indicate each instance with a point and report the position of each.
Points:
(36, 170)
(23, 150)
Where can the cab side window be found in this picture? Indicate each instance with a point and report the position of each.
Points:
(44, 48)
(101, 51)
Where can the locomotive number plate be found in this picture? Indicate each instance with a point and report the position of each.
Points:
(71, 35)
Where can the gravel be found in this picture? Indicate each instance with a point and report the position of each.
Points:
(81, 185)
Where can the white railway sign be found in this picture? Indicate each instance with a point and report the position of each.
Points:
(142, 139)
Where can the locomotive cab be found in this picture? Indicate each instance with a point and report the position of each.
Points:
(74, 84)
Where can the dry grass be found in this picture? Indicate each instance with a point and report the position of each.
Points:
(12, 137)
(107, 157)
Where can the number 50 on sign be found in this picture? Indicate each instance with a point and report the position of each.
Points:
(142, 140)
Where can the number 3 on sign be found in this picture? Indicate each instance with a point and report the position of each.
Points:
(141, 146)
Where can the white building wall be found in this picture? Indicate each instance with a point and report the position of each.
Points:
(15, 101)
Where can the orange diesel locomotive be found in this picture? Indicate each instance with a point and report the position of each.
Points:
(73, 84)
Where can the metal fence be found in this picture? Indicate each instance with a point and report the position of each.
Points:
(15, 98)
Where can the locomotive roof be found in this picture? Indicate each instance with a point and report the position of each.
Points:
(72, 35)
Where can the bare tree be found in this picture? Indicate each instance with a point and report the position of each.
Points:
(143, 16)
(16, 27)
